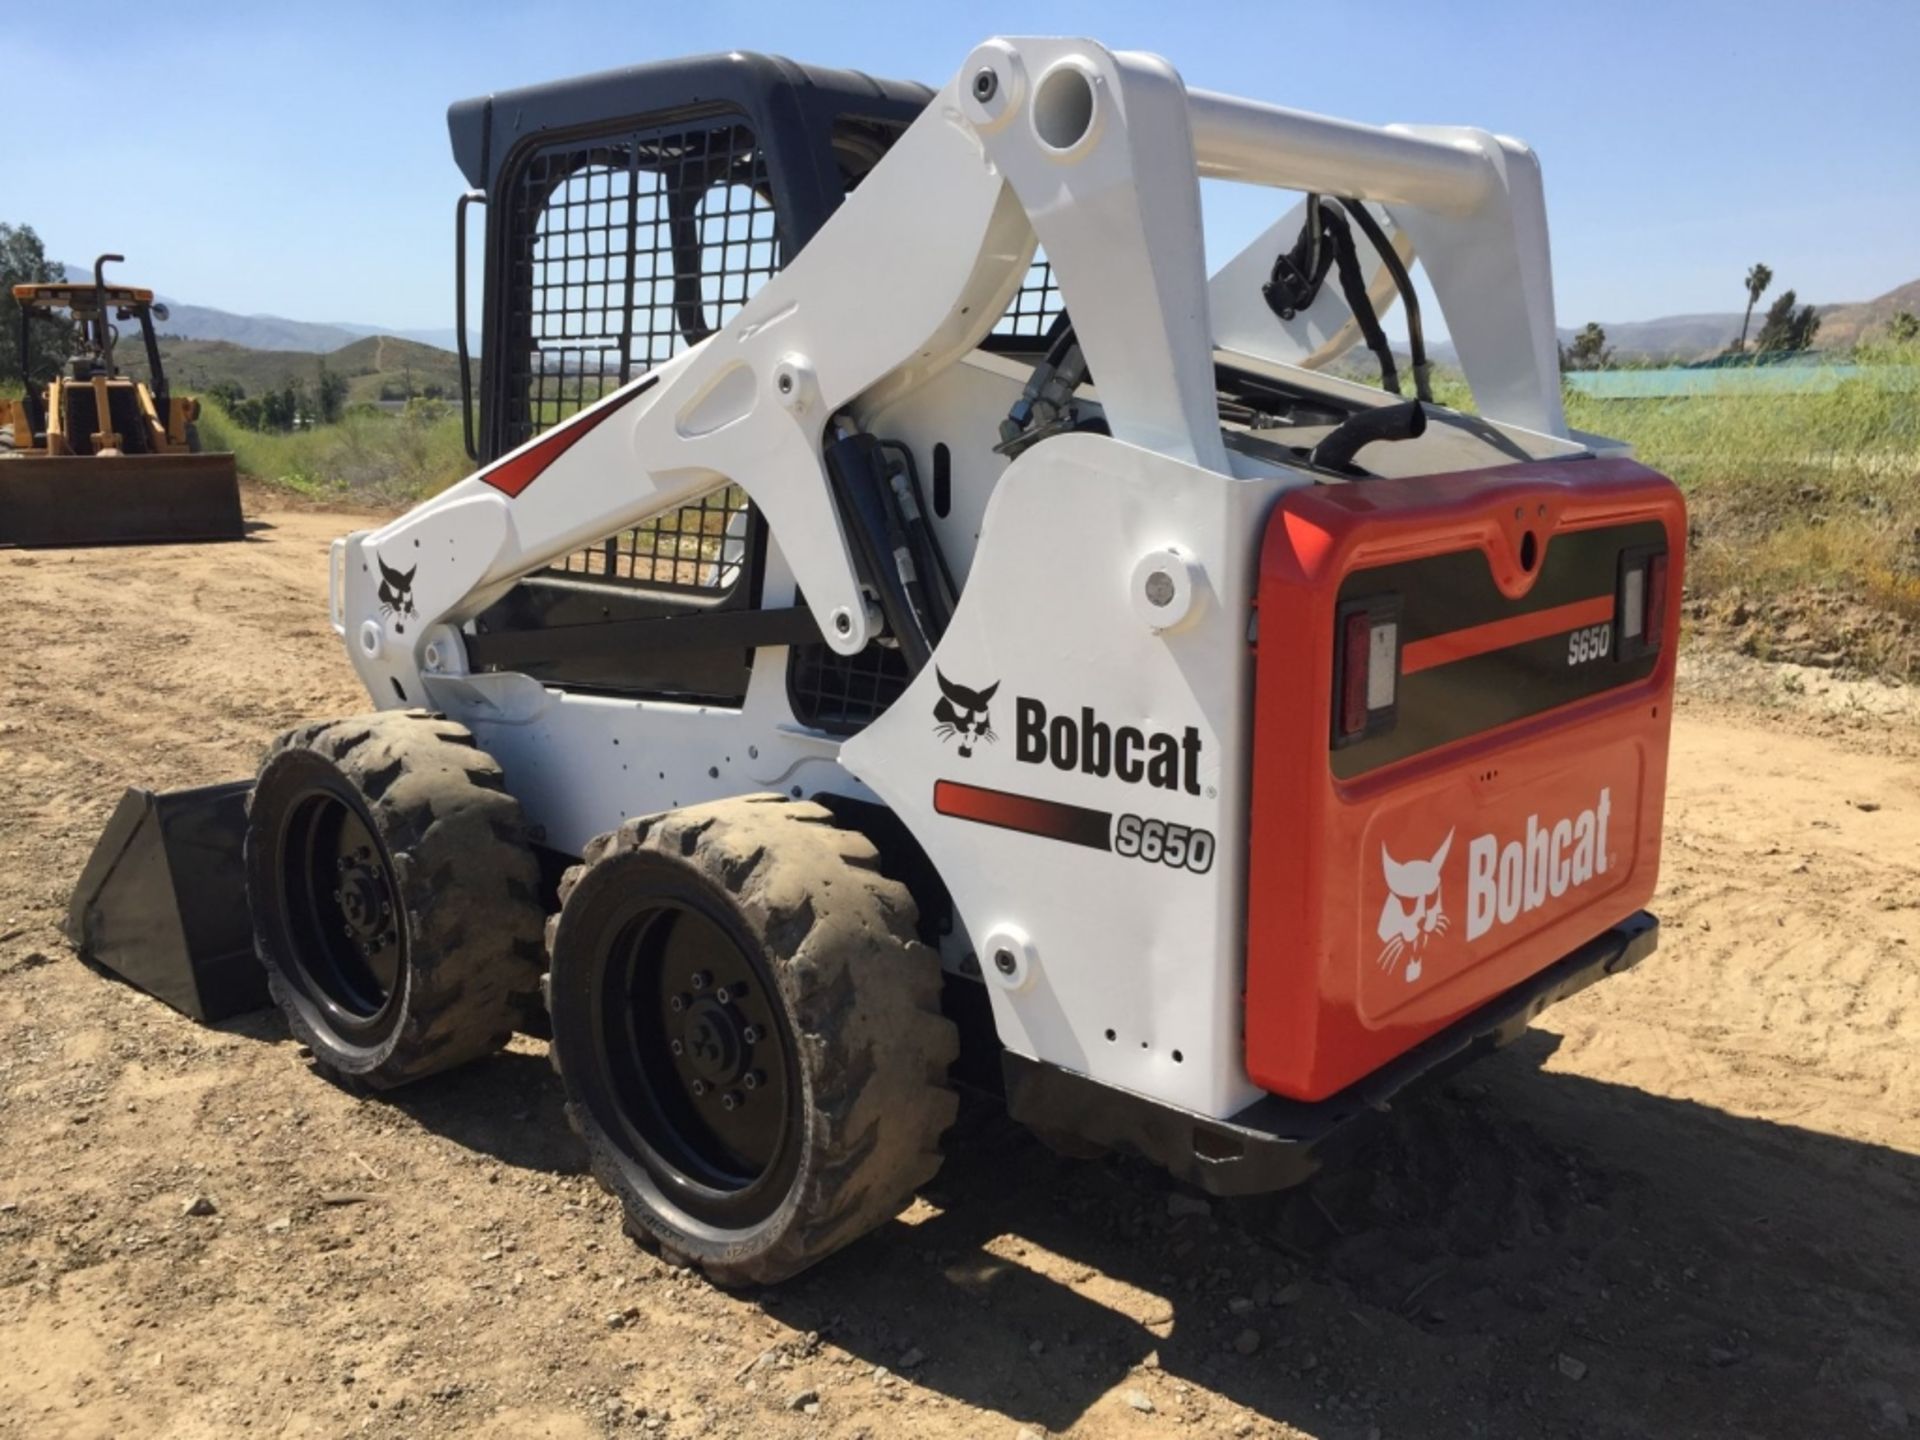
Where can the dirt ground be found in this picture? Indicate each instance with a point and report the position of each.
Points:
(1688, 1203)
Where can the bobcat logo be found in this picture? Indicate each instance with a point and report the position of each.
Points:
(1413, 913)
(396, 590)
(962, 712)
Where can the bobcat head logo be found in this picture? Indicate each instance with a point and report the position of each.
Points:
(963, 713)
(396, 590)
(1413, 913)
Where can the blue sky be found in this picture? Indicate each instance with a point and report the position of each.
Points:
(294, 160)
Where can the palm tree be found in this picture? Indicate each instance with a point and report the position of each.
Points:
(1758, 278)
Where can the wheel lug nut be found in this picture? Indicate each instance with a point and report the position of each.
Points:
(750, 1034)
(701, 980)
(677, 1004)
(751, 1079)
(699, 1087)
(723, 995)
(676, 1047)
(731, 1100)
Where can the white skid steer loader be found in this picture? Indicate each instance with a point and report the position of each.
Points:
(912, 625)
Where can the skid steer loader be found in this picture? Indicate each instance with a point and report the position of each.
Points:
(911, 626)
(96, 457)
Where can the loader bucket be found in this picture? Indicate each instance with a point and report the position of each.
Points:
(118, 499)
(163, 901)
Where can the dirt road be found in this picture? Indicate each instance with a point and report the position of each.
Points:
(1687, 1204)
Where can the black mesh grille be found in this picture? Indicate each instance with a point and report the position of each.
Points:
(1036, 304)
(699, 549)
(843, 694)
(629, 249)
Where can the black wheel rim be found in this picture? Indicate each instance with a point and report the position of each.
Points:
(345, 927)
(697, 1060)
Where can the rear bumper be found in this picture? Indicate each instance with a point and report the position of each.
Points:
(1277, 1142)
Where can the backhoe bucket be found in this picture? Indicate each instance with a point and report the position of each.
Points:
(163, 901)
(118, 499)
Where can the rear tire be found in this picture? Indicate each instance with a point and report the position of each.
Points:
(395, 900)
(749, 1034)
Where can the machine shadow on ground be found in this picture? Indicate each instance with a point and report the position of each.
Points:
(510, 1108)
(1522, 1252)
(1516, 1252)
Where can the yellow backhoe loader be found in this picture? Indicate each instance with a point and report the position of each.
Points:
(95, 456)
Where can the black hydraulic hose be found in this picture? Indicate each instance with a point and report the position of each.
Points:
(1326, 242)
(1407, 421)
(867, 503)
(928, 556)
(1353, 288)
(1403, 282)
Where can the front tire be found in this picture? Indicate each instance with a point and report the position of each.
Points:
(749, 1034)
(395, 901)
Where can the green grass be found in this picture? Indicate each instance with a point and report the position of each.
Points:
(369, 365)
(1809, 504)
(371, 457)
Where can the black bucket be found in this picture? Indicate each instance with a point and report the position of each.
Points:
(163, 901)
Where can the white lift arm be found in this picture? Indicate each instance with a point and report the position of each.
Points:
(1094, 154)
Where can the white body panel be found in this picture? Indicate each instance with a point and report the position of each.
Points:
(1123, 969)
(1146, 951)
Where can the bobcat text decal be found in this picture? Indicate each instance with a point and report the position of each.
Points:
(1506, 879)
(1506, 882)
(1092, 746)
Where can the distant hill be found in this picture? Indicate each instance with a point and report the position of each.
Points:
(271, 332)
(1844, 325)
(1695, 337)
(372, 365)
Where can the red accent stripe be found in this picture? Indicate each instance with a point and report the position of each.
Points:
(516, 472)
(1503, 634)
(1048, 819)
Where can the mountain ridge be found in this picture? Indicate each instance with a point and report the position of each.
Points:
(1676, 337)
(187, 321)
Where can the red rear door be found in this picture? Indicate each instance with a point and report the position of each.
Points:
(1461, 711)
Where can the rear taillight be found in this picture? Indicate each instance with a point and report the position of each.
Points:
(1366, 682)
(1640, 607)
(1656, 598)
